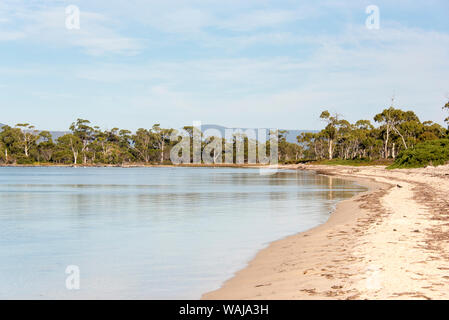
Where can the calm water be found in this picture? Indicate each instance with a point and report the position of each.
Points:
(149, 233)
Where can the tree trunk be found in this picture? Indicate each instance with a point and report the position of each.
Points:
(386, 143)
(162, 151)
(402, 137)
(75, 154)
(330, 149)
(84, 152)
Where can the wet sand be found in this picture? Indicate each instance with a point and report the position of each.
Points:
(391, 242)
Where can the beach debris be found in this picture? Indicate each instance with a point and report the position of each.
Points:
(305, 271)
(399, 186)
(337, 287)
(309, 291)
(262, 285)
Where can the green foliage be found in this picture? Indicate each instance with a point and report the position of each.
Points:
(435, 152)
(338, 143)
(21, 159)
(398, 130)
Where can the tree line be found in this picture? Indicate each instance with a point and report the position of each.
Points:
(392, 131)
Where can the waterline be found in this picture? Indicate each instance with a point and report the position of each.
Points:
(148, 233)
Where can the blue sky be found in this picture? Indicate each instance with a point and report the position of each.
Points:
(240, 63)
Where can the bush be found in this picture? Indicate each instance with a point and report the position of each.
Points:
(21, 159)
(435, 152)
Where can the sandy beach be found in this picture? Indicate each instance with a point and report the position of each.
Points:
(390, 242)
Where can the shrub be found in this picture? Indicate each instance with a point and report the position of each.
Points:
(21, 159)
(435, 152)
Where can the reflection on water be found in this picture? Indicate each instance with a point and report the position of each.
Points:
(147, 233)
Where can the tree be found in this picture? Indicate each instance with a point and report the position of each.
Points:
(331, 130)
(397, 132)
(365, 142)
(10, 140)
(84, 132)
(28, 137)
(125, 138)
(46, 147)
(307, 141)
(71, 142)
(161, 137)
(391, 119)
(431, 131)
(143, 143)
(5, 142)
(282, 144)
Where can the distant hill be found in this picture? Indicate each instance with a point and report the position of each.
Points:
(291, 134)
(55, 134)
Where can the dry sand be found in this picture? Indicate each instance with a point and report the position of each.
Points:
(391, 242)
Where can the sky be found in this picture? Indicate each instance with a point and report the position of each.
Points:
(246, 63)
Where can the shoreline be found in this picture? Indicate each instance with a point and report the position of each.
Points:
(389, 242)
(136, 165)
(338, 215)
(376, 245)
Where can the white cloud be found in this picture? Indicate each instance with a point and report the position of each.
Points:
(259, 19)
(355, 73)
(46, 24)
(11, 35)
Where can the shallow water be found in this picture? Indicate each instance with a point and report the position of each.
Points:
(147, 233)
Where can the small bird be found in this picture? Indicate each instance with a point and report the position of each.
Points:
(399, 186)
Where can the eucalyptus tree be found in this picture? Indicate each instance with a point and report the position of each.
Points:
(72, 143)
(2, 150)
(112, 151)
(345, 139)
(46, 146)
(321, 145)
(85, 133)
(106, 144)
(28, 136)
(124, 142)
(331, 130)
(293, 151)
(161, 138)
(363, 133)
(213, 151)
(282, 144)
(392, 120)
(431, 131)
(306, 140)
(196, 138)
(143, 142)
(10, 142)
